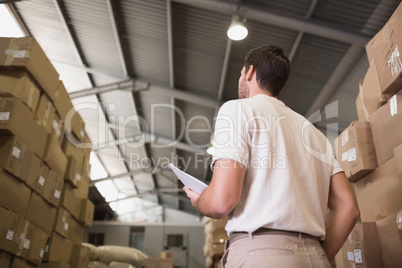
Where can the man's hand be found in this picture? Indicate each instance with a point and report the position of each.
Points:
(192, 195)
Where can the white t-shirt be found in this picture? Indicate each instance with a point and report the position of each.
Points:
(289, 164)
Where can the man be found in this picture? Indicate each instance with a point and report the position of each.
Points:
(274, 176)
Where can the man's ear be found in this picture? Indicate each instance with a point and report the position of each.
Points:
(250, 73)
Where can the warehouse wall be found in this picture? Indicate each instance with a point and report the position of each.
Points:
(155, 240)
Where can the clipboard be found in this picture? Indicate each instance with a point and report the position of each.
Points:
(193, 183)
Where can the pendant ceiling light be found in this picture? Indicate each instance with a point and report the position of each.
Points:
(237, 31)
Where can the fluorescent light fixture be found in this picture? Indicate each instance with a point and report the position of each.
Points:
(237, 31)
(10, 27)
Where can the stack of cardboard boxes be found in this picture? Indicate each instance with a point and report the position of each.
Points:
(370, 151)
(44, 179)
(215, 237)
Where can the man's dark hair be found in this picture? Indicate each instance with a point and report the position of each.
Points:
(271, 66)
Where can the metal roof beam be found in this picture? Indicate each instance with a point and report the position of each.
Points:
(280, 21)
(170, 42)
(117, 37)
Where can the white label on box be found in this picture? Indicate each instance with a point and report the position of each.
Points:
(82, 133)
(56, 127)
(16, 152)
(4, 116)
(10, 235)
(66, 226)
(57, 194)
(42, 180)
(27, 243)
(393, 105)
(352, 155)
(22, 236)
(358, 255)
(344, 137)
(20, 53)
(41, 253)
(47, 248)
(345, 156)
(78, 177)
(9, 51)
(351, 256)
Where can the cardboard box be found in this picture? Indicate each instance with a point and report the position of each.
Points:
(18, 84)
(71, 201)
(362, 249)
(83, 186)
(25, 53)
(5, 259)
(383, 50)
(73, 172)
(159, 263)
(54, 156)
(53, 188)
(25, 239)
(40, 213)
(58, 249)
(390, 238)
(9, 231)
(80, 256)
(54, 264)
(370, 96)
(214, 224)
(21, 263)
(386, 128)
(355, 150)
(76, 231)
(62, 102)
(62, 223)
(15, 118)
(14, 194)
(15, 156)
(87, 212)
(45, 112)
(379, 193)
(74, 151)
(37, 246)
(58, 129)
(37, 175)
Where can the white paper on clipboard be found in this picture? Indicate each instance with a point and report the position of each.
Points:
(188, 180)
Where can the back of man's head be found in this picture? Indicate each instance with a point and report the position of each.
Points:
(272, 67)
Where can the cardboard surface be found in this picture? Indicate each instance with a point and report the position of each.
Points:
(76, 231)
(87, 212)
(15, 118)
(53, 188)
(25, 239)
(386, 128)
(18, 84)
(16, 157)
(58, 249)
(45, 112)
(62, 223)
(37, 246)
(80, 256)
(54, 156)
(390, 238)
(9, 231)
(379, 193)
(5, 259)
(25, 53)
(14, 194)
(41, 213)
(71, 201)
(362, 249)
(37, 175)
(355, 150)
(383, 50)
(62, 102)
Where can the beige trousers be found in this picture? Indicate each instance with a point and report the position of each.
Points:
(274, 250)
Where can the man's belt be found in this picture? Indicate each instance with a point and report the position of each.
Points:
(264, 231)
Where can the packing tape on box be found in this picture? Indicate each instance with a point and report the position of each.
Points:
(24, 243)
(13, 52)
(394, 63)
